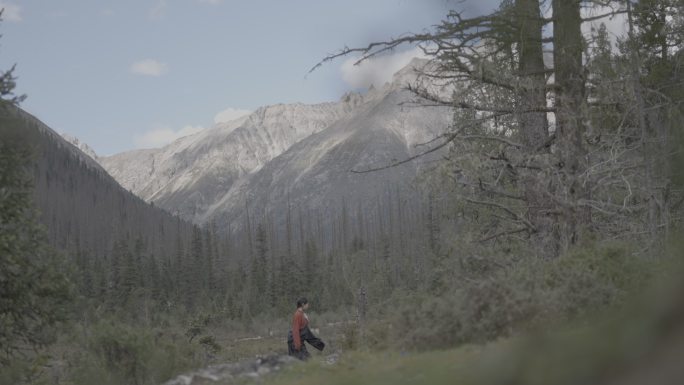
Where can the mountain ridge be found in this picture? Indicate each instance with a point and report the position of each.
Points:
(293, 155)
(83, 207)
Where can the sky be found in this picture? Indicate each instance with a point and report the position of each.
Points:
(127, 74)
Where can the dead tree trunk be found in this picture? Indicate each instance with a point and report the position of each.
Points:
(532, 119)
(571, 192)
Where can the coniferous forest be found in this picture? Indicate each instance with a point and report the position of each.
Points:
(542, 246)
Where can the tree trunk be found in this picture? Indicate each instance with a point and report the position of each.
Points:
(570, 125)
(532, 120)
(534, 126)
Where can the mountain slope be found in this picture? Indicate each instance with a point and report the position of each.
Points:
(204, 177)
(84, 209)
(316, 174)
(191, 173)
(84, 147)
(288, 169)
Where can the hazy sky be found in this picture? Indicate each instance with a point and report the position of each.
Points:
(137, 73)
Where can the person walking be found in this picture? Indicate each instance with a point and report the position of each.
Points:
(300, 333)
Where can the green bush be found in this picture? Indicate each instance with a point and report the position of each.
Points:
(350, 336)
(513, 298)
(116, 353)
(26, 370)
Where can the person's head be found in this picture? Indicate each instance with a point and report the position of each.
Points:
(303, 303)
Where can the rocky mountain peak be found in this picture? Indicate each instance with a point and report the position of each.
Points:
(85, 148)
(207, 175)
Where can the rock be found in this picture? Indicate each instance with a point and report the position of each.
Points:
(228, 373)
(332, 359)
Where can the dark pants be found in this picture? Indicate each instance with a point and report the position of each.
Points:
(306, 336)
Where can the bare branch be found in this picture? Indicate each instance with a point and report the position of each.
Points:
(504, 233)
(602, 16)
(449, 138)
(512, 213)
(493, 138)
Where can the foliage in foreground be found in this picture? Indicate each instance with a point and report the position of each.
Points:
(638, 344)
(505, 300)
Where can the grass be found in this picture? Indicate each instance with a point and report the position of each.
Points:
(265, 337)
(640, 344)
(437, 367)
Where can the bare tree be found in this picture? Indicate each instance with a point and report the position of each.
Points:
(525, 177)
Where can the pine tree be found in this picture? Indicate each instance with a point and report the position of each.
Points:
(129, 280)
(260, 267)
(311, 268)
(34, 291)
(193, 279)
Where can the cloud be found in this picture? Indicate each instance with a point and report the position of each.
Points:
(212, 2)
(377, 70)
(230, 114)
(149, 67)
(160, 137)
(11, 12)
(159, 10)
(107, 12)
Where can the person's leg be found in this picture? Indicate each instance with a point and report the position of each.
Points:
(303, 353)
(290, 345)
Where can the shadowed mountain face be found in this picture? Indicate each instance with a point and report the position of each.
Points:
(84, 209)
(295, 157)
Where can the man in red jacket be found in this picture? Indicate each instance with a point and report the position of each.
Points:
(300, 332)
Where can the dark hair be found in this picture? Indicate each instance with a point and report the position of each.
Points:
(301, 302)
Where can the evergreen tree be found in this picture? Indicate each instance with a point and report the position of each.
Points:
(34, 292)
(290, 282)
(194, 281)
(260, 267)
(210, 256)
(129, 279)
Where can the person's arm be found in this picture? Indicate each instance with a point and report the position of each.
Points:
(311, 338)
(296, 325)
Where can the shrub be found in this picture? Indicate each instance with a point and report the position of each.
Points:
(117, 353)
(516, 297)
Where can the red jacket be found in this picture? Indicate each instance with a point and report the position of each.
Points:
(299, 321)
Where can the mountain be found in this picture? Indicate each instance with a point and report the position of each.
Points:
(316, 174)
(84, 147)
(192, 173)
(297, 157)
(85, 210)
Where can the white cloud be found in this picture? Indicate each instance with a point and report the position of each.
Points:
(11, 12)
(149, 67)
(377, 70)
(230, 114)
(160, 137)
(159, 10)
